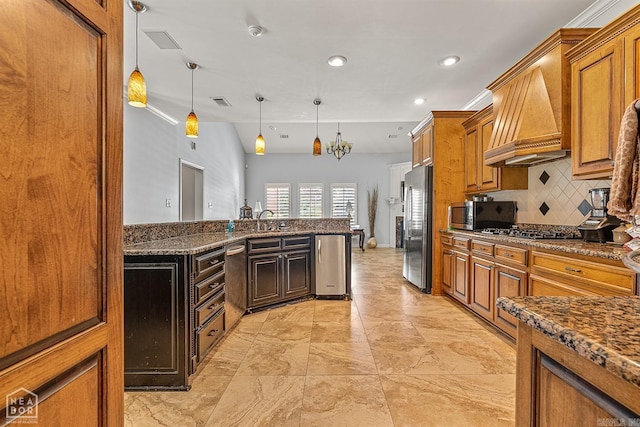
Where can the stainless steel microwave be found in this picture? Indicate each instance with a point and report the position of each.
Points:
(472, 215)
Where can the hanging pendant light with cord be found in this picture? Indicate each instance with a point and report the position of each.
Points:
(136, 87)
(260, 145)
(191, 125)
(317, 145)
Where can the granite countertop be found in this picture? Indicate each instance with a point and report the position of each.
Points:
(201, 242)
(576, 246)
(604, 330)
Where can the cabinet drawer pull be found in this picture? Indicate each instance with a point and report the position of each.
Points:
(508, 255)
(214, 262)
(214, 285)
(574, 270)
(213, 332)
(212, 306)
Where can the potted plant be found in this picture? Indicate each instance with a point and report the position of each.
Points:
(372, 205)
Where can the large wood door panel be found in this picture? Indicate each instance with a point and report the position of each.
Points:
(61, 219)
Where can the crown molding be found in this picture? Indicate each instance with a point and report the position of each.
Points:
(590, 14)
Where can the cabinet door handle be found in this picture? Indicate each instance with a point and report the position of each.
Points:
(214, 331)
(214, 285)
(212, 306)
(214, 262)
(574, 270)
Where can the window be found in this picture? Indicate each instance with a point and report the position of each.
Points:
(277, 199)
(341, 196)
(310, 200)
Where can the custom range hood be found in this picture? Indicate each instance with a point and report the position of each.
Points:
(532, 105)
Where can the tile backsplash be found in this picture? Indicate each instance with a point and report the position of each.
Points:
(553, 198)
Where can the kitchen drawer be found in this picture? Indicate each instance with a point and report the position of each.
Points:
(543, 287)
(446, 240)
(296, 242)
(209, 308)
(593, 277)
(209, 334)
(461, 243)
(256, 246)
(480, 247)
(208, 264)
(207, 288)
(511, 254)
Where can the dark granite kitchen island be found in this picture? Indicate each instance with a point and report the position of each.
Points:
(578, 360)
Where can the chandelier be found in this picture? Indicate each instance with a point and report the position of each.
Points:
(338, 148)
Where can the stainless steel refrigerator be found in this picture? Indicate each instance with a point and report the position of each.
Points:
(418, 227)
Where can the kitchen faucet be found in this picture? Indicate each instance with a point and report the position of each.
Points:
(260, 214)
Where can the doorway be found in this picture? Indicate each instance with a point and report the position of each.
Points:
(191, 191)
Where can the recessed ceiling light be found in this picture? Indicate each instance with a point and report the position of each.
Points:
(337, 61)
(449, 61)
(419, 101)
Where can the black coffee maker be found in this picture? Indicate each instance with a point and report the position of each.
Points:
(599, 226)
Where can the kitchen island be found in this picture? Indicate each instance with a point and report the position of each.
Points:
(578, 360)
(187, 284)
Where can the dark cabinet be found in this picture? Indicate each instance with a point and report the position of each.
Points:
(155, 323)
(279, 269)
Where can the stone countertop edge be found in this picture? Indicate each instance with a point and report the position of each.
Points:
(575, 246)
(198, 243)
(604, 330)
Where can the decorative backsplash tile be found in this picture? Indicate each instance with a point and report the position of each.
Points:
(553, 198)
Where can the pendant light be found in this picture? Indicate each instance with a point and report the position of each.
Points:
(260, 140)
(191, 126)
(317, 145)
(137, 88)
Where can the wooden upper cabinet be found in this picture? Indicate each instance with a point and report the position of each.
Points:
(427, 145)
(604, 80)
(61, 291)
(479, 177)
(416, 156)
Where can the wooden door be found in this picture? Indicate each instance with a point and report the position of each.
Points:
(427, 145)
(471, 160)
(265, 285)
(461, 276)
(482, 299)
(632, 64)
(61, 263)
(509, 282)
(596, 100)
(296, 274)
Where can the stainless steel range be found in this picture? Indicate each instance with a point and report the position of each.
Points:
(531, 233)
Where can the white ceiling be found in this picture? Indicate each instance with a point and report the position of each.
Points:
(393, 48)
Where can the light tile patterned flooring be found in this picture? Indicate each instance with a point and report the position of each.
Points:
(391, 357)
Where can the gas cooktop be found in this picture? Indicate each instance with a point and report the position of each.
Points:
(530, 233)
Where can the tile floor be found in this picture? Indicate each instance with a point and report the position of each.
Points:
(391, 357)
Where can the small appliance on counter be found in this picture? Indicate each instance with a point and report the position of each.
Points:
(477, 215)
(599, 226)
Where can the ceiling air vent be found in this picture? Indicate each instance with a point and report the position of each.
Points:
(393, 136)
(283, 136)
(162, 39)
(220, 101)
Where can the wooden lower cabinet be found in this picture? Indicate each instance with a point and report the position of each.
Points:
(460, 269)
(557, 387)
(279, 275)
(482, 299)
(509, 282)
(447, 269)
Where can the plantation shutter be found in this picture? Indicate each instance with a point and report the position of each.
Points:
(341, 194)
(310, 200)
(277, 199)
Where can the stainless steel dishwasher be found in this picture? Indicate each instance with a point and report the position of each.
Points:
(331, 277)
(235, 303)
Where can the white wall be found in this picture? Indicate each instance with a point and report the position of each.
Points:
(152, 151)
(366, 170)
